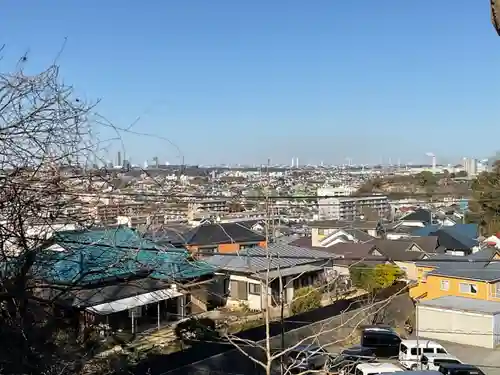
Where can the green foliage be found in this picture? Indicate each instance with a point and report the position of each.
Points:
(461, 174)
(373, 278)
(385, 275)
(426, 179)
(485, 203)
(196, 329)
(305, 299)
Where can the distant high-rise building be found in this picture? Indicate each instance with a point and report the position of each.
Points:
(119, 159)
(470, 166)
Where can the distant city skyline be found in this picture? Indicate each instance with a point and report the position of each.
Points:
(241, 82)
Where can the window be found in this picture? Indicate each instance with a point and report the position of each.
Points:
(403, 348)
(254, 289)
(238, 290)
(207, 250)
(445, 285)
(468, 288)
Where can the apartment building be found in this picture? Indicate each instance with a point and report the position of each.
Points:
(348, 208)
(338, 191)
(470, 166)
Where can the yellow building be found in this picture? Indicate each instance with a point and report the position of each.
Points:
(476, 276)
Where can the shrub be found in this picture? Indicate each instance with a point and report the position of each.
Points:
(305, 299)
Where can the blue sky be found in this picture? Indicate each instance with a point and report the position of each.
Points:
(240, 81)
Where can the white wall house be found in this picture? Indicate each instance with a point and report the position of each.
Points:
(255, 273)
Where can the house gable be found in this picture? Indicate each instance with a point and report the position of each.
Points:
(337, 236)
(414, 247)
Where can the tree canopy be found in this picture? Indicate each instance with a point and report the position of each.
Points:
(484, 207)
(374, 278)
(305, 299)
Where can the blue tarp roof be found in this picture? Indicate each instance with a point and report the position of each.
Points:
(94, 255)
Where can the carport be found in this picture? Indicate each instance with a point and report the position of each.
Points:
(458, 319)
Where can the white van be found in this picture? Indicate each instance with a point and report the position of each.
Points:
(433, 361)
(410, 351)
(376, 368)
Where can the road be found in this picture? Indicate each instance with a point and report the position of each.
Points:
(486, 359)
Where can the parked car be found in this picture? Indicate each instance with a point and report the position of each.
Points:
(305, 357)
(411, 351)
(382, 340)
(345, 363)
(459, 369)
(376, 368)
(433, 361)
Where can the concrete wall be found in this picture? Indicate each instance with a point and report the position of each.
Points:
(331, 331)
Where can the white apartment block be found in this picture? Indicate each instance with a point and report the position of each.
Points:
(470, 166)
(339, 191)
(347, 208)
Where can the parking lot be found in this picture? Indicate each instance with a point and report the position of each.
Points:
(486, 359)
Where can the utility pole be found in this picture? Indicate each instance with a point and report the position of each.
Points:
(282, 320)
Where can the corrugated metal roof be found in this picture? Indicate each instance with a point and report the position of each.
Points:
(463, 304)
(258, 259)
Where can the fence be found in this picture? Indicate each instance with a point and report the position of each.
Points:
(328, 324)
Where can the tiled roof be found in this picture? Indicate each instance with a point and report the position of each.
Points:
(221, 233)
(477, 266)
(397, 250)
(418, 215)
(96, 255)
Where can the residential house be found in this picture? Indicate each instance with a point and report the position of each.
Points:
(116, 277)
(417, 218)
(469, 230)
(449, 218)
(474, 276)
(209, 238)
(459, 239)
(348, 253)
(404, 253)
(320, 230)
(255, 269)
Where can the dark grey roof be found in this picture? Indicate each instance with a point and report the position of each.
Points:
(358, 234)
(429, 244)
(477, 266)
(352, 253)
(168, 234)
(418, 215)
(255, 260)
(221, 233)
(454, 240)
(463, 304)
(398, 250)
